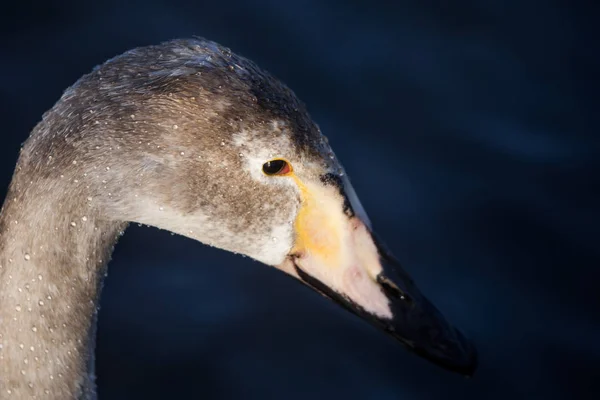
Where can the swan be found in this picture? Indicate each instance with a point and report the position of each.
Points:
(189, 137)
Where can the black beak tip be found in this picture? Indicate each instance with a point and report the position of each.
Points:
(466, 360)
(472, 358)
(447, 348)
(459, 356)
(468, 369)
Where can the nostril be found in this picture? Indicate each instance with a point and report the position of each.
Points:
(392, 289)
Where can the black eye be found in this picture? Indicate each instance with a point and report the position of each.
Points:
(276, 167)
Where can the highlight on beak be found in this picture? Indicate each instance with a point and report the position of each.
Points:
(336, 254)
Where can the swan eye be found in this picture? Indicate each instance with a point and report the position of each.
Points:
(276, 167)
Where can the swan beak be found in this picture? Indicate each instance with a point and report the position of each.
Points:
(336, 254)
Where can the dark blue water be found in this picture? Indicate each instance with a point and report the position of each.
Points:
(470, 130)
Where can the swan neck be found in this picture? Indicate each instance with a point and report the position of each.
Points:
(53, 255)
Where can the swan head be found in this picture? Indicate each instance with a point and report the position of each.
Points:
(192, 138)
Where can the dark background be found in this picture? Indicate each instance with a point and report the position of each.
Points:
(469, 129)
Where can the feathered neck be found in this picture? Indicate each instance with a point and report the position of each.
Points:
(53, 255)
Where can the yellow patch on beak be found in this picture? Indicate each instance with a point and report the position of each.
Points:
(335, 250)
(320, 223)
